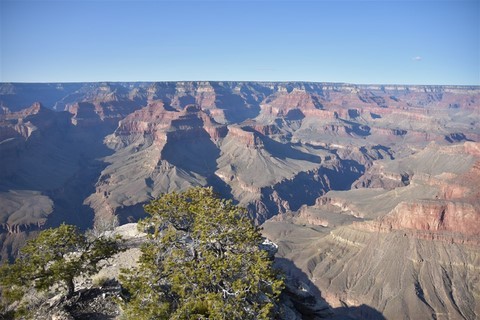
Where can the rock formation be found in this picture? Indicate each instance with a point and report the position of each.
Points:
(411, 246)
(356, 183)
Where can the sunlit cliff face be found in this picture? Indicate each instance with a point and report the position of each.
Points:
(343, 174)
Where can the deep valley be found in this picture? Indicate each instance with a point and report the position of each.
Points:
(372, 192)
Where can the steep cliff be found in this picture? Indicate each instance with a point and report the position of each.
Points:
(408, 245)
(354, 178)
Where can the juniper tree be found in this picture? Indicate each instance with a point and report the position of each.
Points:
(55, 257)
(203, 261)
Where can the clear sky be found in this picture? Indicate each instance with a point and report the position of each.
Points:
(404, 42)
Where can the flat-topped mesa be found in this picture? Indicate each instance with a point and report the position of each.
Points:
(153, 115)
(162, 123)
(262, 128)
(246, 136)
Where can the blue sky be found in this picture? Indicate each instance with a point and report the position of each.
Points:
(404, 42)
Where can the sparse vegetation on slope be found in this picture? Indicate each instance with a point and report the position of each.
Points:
(53, 260)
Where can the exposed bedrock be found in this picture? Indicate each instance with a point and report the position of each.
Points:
(430, 215)
(376, 216)
(410, 246)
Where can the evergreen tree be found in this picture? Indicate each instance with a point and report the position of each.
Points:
(203, 261)
(55, 257)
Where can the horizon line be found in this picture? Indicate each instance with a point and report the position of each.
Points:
(240, 81)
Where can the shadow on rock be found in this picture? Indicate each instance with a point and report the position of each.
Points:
(303, 300)
(360, 312)
(100, 303)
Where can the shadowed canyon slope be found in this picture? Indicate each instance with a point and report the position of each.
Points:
(370, 191)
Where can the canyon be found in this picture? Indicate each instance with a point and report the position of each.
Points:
(371, 192)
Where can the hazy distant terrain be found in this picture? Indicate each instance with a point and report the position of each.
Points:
(372, 192)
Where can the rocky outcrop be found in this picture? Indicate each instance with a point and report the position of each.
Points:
(25, 122)
(355, 160)
(286, 102)
(21, 213)
(378, 177)
(280, 115)
(408, 235)
(249, 138)
(430, 215)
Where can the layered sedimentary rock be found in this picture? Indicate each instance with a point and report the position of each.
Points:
(412, 246)
(252, 141)
(360, 183)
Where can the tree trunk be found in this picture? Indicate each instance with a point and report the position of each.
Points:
(70, 287)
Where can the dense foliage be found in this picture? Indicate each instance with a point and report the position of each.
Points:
(202, 262)
(55, 257)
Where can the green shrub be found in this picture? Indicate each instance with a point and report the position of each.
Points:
(202, 261)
